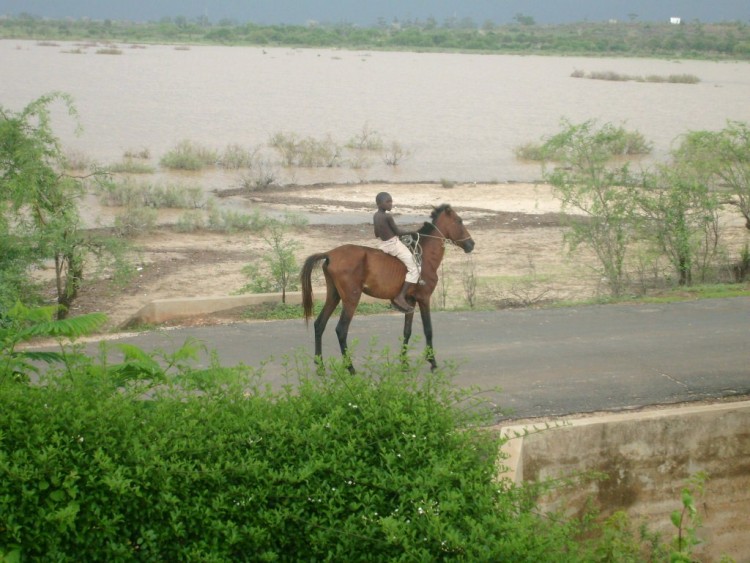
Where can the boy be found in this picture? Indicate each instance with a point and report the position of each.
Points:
(388, 233)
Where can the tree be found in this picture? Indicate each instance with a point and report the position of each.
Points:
(596, 197)
(524, 19)
(39, 217)
(281, 265)
(721, 160)
(681, 219)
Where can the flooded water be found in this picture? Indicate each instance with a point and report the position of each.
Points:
(459, 116)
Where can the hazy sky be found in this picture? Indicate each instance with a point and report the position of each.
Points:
(367, 12)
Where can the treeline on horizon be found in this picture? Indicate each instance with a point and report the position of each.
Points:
(633, 38)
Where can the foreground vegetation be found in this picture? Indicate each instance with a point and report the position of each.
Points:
(690, 40)
(149, 458)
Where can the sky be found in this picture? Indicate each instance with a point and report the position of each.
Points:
(369, 12)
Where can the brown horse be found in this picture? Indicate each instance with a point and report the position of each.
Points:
(351, 270)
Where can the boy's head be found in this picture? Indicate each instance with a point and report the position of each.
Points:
(382, 197)
(384, 201)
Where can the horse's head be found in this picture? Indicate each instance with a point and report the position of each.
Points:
(452, 227)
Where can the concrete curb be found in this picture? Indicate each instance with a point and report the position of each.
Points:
(163, 310)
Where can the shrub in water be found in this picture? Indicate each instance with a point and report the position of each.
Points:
(189, 156)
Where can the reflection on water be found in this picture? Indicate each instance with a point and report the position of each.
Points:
(460, 116)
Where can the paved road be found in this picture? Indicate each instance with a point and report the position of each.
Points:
(547, 362)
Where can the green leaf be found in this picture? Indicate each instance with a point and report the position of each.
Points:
(676, 518)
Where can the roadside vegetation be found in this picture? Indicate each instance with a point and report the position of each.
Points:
(149, 456)
(523, 36)
(40, 223)
(650, 228)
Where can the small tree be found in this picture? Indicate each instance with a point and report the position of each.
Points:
(38, 203)
(469, 281)
(681, 219)
(281, 271)
(721, 160)
(596, 198)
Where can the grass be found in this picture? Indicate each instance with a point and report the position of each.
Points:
(286, 311)
(709, 291)
(670, 295)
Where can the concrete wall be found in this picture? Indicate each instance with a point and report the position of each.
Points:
(647, 457)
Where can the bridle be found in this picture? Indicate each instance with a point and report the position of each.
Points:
(417, 248)
(442, 236)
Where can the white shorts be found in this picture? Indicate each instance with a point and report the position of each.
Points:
(395, 247)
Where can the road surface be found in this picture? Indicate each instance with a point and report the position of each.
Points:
(546, 361)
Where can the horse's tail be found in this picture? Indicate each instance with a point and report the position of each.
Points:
(306, 283)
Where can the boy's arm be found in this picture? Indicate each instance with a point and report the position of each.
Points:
(395, 229)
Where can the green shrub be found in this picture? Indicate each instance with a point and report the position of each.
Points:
(529, 151)
(135, 220)
(132, 461)
(261, 177)
(189, 156)
(143, 154)
(190, 221)
(308, 152)
(230, 221)
(128, 192)
(236, 156)
(109, 51)
(131, 166)
(366, 140)
(614, 140)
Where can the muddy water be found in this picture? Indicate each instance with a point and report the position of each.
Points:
(459, 116)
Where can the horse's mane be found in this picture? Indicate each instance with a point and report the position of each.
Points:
(427, 228)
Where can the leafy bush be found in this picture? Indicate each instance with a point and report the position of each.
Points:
(130, 193)
(611, 140)
(131, 166)
(307, 152)
(190, 221)
(189, 156)
(135, 220)
(134, 461)
(230, 221)
(261, 177)
(236, 156)
(367, 140)
(143, 154)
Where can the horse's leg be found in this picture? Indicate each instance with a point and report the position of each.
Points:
(408, 319)
(424, 311)
(342, 328)
(332, 301)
